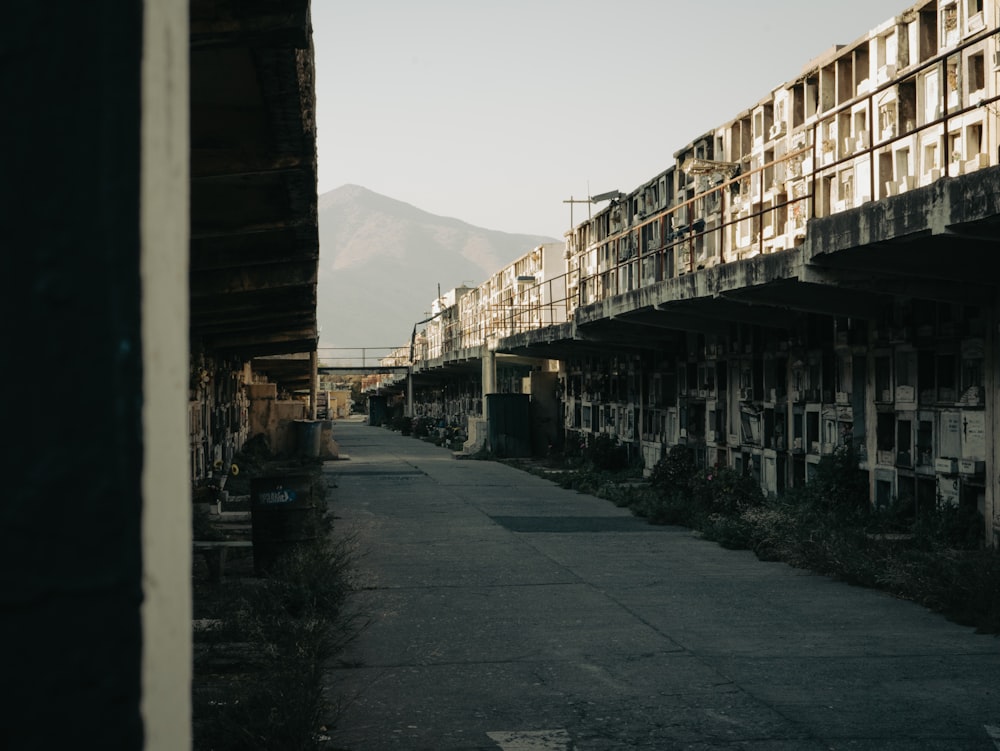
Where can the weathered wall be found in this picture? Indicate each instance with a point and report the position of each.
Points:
(274, 418)
(70, 536)
(340, 403)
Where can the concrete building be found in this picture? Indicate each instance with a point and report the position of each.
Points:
(454, 362)
(443, 333)
(159, 198)
(814, 272)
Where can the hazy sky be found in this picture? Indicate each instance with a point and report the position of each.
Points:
(497, 112)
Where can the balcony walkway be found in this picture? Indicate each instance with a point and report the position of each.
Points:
(508, 613)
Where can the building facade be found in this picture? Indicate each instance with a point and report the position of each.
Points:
(810, 274)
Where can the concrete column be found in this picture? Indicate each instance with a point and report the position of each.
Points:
(643, 395)
(166, 483)
(489, 371)
(489, 376)
(313, 384)
(409, 393)
(991, 364)
(871, 413)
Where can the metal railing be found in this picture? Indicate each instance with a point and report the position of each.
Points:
(349, 358)
(681, 247)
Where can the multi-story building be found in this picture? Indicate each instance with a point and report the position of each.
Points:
(453, 360)
(910, 102)
(913, 100)
(802, 277)
(443, 330)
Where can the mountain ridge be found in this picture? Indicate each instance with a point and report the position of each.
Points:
(383, 260)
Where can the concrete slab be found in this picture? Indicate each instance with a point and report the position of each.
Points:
(507, 613)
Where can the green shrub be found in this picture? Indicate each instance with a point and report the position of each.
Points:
(723, 490)
(733, 532)
(402, 423)
(422, 426)
(605, 453)
(838, 484)
(624, 494)
(674, 471)
(287, 627)
(671, 509)
(584, 480)
(574, 445)
(969, 590)
(947, 525)
(770, 528)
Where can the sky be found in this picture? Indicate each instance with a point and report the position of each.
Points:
(497, 113)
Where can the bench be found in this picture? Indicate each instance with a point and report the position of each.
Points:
(215, 554)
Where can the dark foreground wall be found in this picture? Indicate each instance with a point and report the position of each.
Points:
(70, 571)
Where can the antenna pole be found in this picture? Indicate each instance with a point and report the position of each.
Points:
(571, 201)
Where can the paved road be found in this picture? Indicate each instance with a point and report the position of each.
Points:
(509, 614)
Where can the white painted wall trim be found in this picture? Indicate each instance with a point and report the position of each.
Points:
(166, 483)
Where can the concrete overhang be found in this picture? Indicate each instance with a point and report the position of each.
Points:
(800, 295)
(934, 242)
(566, 341)
(541, 342)
(441, 364)
(702, 286)
(669, 320)
(622, 334)
(707, 316)
(291, 372)
(439, 370)
(561, 350)
(442, 370)
(254, 252)
(758, 291)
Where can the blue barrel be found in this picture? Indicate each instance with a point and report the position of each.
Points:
(284, 516)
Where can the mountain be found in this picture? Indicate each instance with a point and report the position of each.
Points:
(382, 262)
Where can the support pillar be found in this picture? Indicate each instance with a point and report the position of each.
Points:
(489, 377)
(409, 393)
(991, 361)
(313, 384)
(166, 481)
(478, 427)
